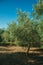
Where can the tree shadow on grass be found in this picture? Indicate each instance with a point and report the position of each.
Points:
(20, 58)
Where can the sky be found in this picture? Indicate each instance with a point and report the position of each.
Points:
(8, 10)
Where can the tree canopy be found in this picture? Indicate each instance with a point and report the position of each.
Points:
(25, 31)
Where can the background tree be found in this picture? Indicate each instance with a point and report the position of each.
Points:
(1, 32)
(38, 9)
(38, 15)
(11, 29)
(5, 36)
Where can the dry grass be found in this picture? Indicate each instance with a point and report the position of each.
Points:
(15, 55)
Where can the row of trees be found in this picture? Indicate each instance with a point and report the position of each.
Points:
(25, 31)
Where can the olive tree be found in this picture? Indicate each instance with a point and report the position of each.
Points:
(26, 31)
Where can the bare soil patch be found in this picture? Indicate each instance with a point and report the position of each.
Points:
(15, 55)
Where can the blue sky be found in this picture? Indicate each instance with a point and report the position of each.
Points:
(8, 10)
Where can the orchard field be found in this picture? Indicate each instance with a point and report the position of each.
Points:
(21, 40)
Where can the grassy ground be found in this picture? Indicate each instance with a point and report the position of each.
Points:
(17, 56)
